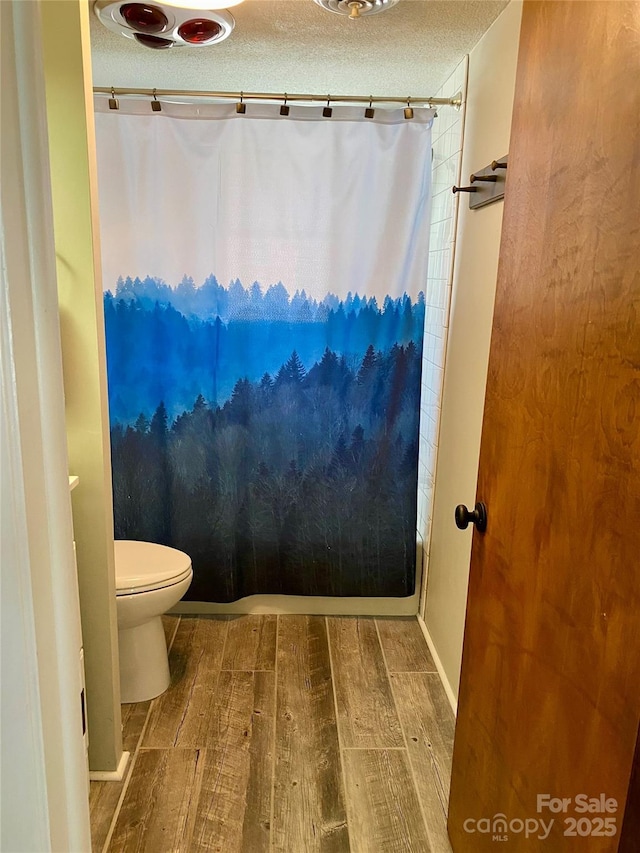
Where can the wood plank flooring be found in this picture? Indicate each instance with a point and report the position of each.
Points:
(295, 734)
(367, 714)
(309, 810)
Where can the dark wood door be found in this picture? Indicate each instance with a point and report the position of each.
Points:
(550, 688)
(630, 834)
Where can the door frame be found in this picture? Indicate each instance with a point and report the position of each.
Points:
(45, 798)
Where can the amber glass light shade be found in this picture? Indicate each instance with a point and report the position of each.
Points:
(144, 18)
(153, 41)
(199, 30)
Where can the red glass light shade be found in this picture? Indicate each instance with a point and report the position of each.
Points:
(160, 24)
(199, 30)
(144, 18)
(153, 41)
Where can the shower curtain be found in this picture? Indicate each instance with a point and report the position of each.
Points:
(264, 318)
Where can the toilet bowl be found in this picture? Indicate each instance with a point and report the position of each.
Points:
(150, 579)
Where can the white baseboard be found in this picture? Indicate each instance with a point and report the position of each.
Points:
(445, 681)
(116, 775)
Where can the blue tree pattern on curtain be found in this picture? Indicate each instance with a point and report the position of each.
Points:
(273, 438)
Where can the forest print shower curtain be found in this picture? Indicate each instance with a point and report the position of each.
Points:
(264, 316)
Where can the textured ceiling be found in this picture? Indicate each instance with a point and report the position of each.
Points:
(294, 45)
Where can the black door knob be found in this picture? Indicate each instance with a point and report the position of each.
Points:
(477, 517)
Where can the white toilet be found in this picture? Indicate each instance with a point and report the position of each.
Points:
(150, 579)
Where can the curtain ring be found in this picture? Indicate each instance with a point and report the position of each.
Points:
(241, 108)
(408, 110)
(327, 112)
(284, 109)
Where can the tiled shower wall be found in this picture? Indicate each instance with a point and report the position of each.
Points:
(447, 155)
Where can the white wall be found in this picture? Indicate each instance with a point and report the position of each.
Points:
(44, 770)
(74, 187)
(490, 93)
(447, 150)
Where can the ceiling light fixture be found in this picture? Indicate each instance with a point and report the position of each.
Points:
(202, 5)
(355, 9)
(162, 25)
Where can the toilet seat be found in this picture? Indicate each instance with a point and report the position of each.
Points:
(147, 566)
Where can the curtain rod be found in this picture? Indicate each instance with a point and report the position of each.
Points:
(455, 101)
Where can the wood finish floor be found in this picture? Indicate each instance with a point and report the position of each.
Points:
(296, 734)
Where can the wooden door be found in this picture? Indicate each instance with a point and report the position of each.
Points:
(550, 687)
(630, 833)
